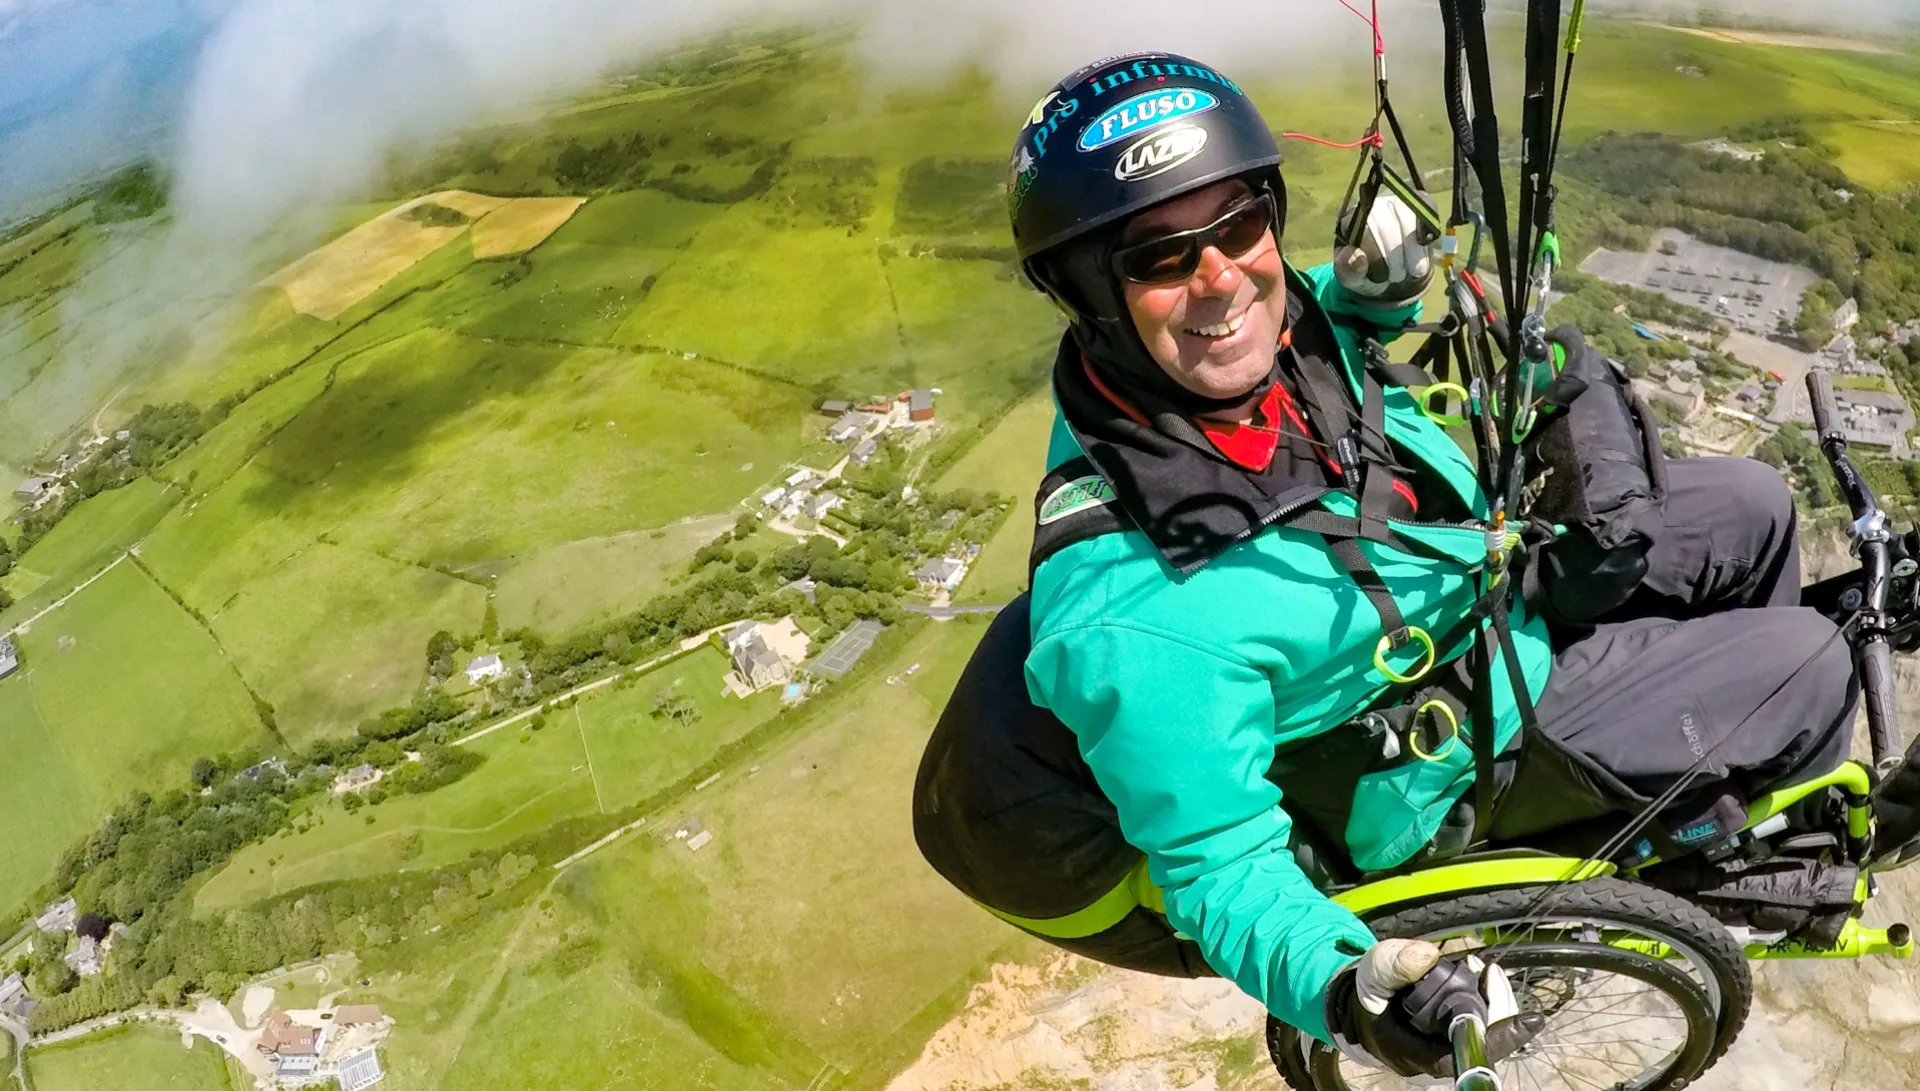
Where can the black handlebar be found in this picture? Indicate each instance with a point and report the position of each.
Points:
(1824, 411)
(1872, 654)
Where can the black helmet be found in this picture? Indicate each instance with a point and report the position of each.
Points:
(1110, 140)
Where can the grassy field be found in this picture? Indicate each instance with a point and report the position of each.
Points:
(531, 780)
(129, 1059)
(635, 755)
(83, 543)
(574, 584)
(737, 968)
(75, 747)
(1010, 459)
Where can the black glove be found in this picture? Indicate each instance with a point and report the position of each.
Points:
(1417, 993)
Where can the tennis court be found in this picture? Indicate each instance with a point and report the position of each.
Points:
(847, 649)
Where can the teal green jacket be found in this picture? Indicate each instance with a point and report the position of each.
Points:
(1180, 689)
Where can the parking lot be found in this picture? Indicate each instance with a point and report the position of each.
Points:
(1750, 293)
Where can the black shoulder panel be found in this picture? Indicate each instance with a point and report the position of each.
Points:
(1074, 503)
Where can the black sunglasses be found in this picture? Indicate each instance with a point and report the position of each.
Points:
(1166, 259)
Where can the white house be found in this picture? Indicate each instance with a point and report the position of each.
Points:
(484, 667)
(9, 658)
(824, 503)
(945, 572)
(87, 959)
(774, 497)
(799, 476)
(58, 917)
(356, 778)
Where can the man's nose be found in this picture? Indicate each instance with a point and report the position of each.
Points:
(1216, 275)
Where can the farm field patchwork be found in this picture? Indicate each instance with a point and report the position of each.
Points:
(83, 746)
(520, 225)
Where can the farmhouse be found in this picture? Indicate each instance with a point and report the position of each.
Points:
(356, 778)
(835, 407)
(9, 658)
(774, 497)
(292, 1048)
(58, 917)
(15, 1002)
(799, 477)
(253, 772)
(944, 573)
(87, 959)
(919, 405)
(824, 503)
(484, 667)
(756, 663)
(848, 426)
(33, 488)
(1846, 314)
(864, 450)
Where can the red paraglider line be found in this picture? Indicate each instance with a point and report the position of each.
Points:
(1373, 23)
(1371, 140)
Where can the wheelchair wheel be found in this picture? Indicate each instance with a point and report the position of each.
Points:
(1639, 990)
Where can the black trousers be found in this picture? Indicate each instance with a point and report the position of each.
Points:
(1712, 656)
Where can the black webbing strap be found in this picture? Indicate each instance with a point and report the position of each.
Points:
(1536, 142)
(1347, 552)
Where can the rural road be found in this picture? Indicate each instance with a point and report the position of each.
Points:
(947, 613)
(19, 1033)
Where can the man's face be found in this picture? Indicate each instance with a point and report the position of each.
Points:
(1214, 332)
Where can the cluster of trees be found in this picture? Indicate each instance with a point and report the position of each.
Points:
(178, 954)
(836, 191)
(430, 214)
(133, 193)
(948, 198)
(605, 165)
(155, 434)
(1791, 204)
(628, 164)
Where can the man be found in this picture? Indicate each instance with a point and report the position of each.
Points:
(1238, 557)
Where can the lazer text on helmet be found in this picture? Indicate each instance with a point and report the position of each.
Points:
(1159, 153)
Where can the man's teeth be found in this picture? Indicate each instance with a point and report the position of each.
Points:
(1220, 329)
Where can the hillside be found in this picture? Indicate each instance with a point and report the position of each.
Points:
(526, 399)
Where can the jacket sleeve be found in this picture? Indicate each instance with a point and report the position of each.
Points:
(1336, 300)
(1180, 739)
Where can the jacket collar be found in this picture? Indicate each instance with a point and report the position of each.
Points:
(1190, 501)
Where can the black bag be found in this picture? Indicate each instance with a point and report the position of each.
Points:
(1808, 899)
(1595, 454)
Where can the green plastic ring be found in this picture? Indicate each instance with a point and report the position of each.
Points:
(1426, 664)
(1453, 731)
(1444, 420)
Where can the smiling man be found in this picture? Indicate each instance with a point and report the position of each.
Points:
(1255, 576)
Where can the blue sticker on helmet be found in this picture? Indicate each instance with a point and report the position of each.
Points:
(1144, 113)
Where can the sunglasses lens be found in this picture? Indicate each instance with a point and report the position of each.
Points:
(1242, 230)
(1161, 261)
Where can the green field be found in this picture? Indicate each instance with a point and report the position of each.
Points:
(531, 780)
(83, 543)
(635, 755)
(76, 747)
(574, 584)
(738, 967)
(1010, 459)
(129, 1059)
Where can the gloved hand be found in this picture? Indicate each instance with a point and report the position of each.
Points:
(1390, 267)
(1368, 1006)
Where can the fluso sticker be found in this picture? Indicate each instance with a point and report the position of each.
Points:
(1144, 113)
(1160, 153)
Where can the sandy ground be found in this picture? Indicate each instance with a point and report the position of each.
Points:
(521, 225)
(1794, 41)
(785, 639)
(211, 1020)
(255, 1005)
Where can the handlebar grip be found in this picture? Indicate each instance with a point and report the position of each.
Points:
(1820, 388)
(1876, 689)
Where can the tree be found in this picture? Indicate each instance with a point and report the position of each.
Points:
(745, 560)
(746, 524)
(490, 622)
(671, 703)
(440, 652)
(204, 770)
(91, 926)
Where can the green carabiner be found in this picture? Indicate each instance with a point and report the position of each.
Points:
(1444, 420)
(1421, 638)
(1453, 731)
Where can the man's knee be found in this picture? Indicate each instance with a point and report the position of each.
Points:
(1753, 489)
(1813, 667)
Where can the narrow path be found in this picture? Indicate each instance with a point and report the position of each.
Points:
(692, 643)
(23, 626)
(108, 404)
(944, 613)
(18, 1032)
(584, 749)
